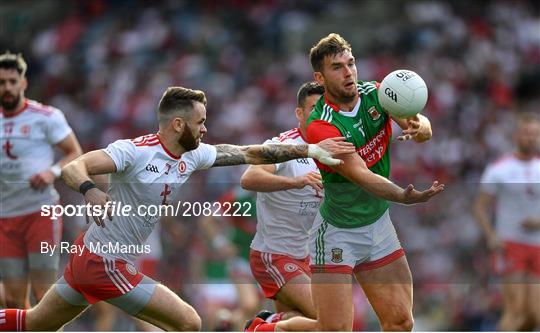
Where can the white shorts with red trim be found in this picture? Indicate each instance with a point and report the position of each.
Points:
(344, 250)
(272, 271)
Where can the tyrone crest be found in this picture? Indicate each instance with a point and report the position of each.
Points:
(375, 115)
(337, 255)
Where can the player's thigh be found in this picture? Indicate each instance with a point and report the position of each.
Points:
(296, 295)
(169, 312)
(389, 291)
(533, 299)
(52, 312)
(332, 297)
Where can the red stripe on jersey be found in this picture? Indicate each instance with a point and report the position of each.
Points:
(40, 108)
(291, 134)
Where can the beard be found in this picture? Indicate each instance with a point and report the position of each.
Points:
(342, 95)
(187, 140)
(10, 106)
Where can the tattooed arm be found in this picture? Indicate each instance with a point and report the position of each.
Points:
(270, 154)
(258, 154)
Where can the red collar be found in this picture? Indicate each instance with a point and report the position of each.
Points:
(11, 115)
(332, 105)
(167, 150)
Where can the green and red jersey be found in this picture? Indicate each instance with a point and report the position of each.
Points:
(346, 205)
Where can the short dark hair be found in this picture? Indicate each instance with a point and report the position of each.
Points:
(9, 60)
(179, 99)
(329, 45)
(306, 90)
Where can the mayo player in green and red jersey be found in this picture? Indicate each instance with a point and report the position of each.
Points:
(352, 235)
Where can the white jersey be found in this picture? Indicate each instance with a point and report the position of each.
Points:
(284, 218)
(516, 185)
(27, 140)
(146, 175)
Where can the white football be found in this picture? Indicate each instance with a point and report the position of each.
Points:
(403, 93)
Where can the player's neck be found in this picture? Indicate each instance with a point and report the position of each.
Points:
(170, 144)
(524, 156)
(343, 105)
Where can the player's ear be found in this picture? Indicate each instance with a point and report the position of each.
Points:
(298, 113)
(24, 83)
(318, 77)
(178, 124)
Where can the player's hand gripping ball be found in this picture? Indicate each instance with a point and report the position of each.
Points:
(403, 93)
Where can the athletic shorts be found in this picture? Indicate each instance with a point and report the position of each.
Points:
(348, 250)
(518, 258)
(21, 240)
(272, 271)
(148, 267)
(97, 278)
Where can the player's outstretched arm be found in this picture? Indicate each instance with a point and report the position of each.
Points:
(270, 154)
(262, 178)
(356, 170)
(417, 128)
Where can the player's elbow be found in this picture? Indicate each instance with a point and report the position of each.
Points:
(247, 181)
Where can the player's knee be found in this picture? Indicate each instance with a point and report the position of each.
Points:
(13, 302)
(399, 323)
(194, 323)
(190, 322)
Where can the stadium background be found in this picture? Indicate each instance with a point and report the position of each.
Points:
(106, 64)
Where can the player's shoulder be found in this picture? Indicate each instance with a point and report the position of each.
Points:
(144, 141)
(290, 135)
(40, 109)
(503, 161)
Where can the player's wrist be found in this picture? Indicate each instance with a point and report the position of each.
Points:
(56, 170)
(316, 152)
(86, 186)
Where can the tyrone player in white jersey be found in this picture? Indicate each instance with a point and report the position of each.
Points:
(288, 198)
(146, 171)
(513, 184)
(29, 134)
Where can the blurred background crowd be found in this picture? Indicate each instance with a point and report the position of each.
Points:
(105, 64)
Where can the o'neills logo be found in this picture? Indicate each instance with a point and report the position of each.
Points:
(375, 148)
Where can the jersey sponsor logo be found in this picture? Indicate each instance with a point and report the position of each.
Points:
(182, 167)
(375, 148)
(152, 168)
(290, 267)
(390, 93)
(337, 255)
(375, 115)
(302, 161)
